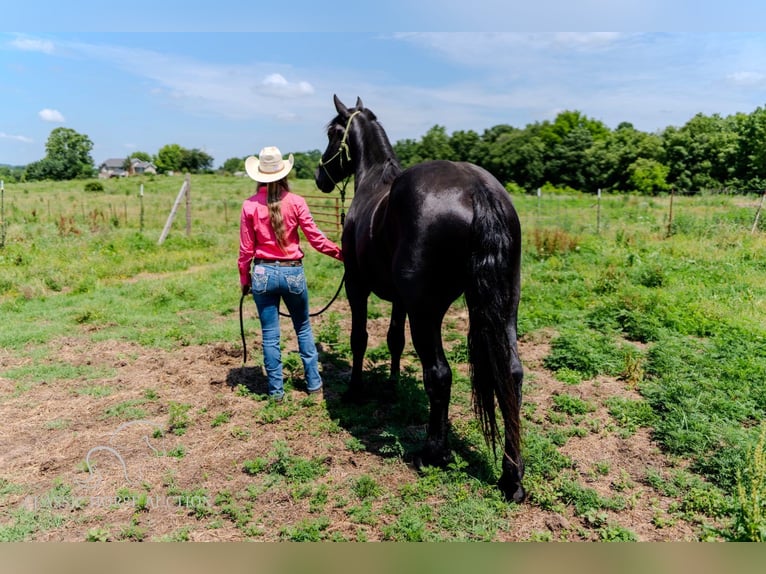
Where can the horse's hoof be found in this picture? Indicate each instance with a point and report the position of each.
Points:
(513, 491)
(428, 457)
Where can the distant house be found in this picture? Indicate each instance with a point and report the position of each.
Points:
(115, 167)
(139, 167)
(112, 168)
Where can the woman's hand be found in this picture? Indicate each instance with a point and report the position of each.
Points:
(245, 289)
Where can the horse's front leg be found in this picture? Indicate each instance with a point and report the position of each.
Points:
(358, 301)
(437, 379)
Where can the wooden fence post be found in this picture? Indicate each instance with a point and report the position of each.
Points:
(598, 213)
(141, 215)
(188, 205)
(172, 215)
(2, 213)
(758, 213)
(670, 214)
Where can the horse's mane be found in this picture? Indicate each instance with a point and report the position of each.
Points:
(376, 141)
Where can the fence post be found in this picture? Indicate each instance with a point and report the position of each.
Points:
(670, 214)
(172, 215)
(2, 213)
(598, 213)
(539, 197)
(141, 202)
(188, 204)
(758, 213)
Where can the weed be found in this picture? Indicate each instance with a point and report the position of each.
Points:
(220, 419)
(392, 446)
(132, 532)
(750, 511)
(196, 500)
(295, 469)
(355, 445)
(95, 390)
(255, 466)
(127, 410)
(178, 418)
(180, 535)
(177, 452)
(306, 530)
(550, 242)
(98, 534)
(319, 499)
(410, 525)
(616, 533)
(586, 499)
(572, 405)
(588, 354)
(630, 414)
(363, 514)
(366, 487)
(240, 433)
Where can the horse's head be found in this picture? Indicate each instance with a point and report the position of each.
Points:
(337, 160)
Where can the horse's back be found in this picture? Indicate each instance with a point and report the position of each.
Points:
(429, 222)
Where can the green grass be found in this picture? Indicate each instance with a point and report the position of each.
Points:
(678, 318)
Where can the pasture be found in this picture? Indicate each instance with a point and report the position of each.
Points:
(128, 414)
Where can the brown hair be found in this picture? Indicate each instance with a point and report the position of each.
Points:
(274, 192)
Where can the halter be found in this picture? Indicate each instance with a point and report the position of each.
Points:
(342, 148)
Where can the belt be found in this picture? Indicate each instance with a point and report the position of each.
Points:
(280, 262)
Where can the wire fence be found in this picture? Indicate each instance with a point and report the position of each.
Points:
(214, 206)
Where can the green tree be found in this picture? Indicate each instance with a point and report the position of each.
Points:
(467, 146)
(306, 163)
(436, 144)
(169, 158)
(751, 152)
(703, 153)
(647, 176)
(67, 157)
(196, 161)
(233, 165)
(408, 152)
(612, 156)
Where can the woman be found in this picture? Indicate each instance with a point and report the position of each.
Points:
(269, 241)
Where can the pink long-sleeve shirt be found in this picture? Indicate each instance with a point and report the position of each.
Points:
(257, 238)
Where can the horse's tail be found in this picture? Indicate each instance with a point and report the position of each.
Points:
(492, 297)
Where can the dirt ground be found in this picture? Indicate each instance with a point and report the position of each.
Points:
(50, 431)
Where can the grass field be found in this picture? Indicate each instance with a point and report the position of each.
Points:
(641, 332)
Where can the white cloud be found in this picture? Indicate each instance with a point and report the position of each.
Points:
(33, 45)
(277, 85)
(49, 115)
(23, 139)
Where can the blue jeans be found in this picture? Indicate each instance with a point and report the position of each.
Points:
(270, 283)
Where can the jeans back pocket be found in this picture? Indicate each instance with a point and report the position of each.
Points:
(296, 283)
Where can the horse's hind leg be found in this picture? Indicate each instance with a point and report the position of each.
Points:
(395, 339)
(437, 379)
(513, 464)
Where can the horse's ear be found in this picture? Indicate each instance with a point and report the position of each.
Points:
(342, 110)
(359, 104)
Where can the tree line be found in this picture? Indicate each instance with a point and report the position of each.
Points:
(68, 156)
(709, 152)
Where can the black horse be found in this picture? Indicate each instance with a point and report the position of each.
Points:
(420, 238)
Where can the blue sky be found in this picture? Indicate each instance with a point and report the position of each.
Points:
(203, 82)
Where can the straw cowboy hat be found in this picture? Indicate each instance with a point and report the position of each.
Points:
(269, 165)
